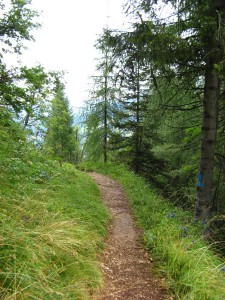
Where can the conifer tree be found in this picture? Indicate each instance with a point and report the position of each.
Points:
(61, 137)
(132, 81)
(99, 108)
(190, 43)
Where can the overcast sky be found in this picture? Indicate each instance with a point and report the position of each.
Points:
(65, 41)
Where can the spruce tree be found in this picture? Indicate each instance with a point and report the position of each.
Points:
(190, 43)
(61, 140)
(99, 108)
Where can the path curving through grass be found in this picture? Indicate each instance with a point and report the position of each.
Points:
(125, 265)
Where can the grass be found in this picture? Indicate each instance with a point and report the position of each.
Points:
(52, 224)
(191, 269)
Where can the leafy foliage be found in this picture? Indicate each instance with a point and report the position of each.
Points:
(17, 21)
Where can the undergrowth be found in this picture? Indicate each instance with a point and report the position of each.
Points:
(51, 227)
(191, 269)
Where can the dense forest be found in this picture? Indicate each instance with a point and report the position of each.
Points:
(156, 106)
(158, 102)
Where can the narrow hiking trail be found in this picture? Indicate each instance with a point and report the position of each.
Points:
(125, 264)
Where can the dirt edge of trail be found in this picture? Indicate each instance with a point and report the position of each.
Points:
(125, 265)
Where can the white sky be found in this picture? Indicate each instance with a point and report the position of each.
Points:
(65, 41)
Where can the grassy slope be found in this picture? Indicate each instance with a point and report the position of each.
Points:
(192, 270)
(51, 226)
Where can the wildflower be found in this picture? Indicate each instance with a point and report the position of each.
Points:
(171, 215)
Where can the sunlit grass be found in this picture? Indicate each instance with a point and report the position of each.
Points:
(191, 269)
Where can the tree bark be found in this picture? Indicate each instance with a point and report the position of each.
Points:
(209, 128)
(105, 144)
(137, 133)
(105, 140)
(209, 121)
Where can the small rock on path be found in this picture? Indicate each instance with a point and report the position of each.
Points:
(125, 265)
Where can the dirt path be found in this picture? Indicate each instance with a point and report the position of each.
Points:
(125, 265)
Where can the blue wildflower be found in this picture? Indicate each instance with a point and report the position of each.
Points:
(185, 230)
(171, 215)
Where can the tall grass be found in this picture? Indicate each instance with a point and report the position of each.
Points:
(51, 228)
(191, 269)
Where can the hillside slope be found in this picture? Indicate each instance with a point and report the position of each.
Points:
(51, 227)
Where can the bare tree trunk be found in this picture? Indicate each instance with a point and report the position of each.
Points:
(209, 122)
(105, 140)
(137, 133)
(209, 128)
(26, 120)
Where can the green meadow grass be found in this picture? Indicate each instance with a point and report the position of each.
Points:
(191, 269)
(52, 224)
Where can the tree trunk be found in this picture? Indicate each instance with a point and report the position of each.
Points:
(105, 146)
(137, 133)
(209, 122)
(209, 128)
(105, 141)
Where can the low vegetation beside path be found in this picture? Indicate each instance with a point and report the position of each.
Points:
(51, 226)
(192, 270)
(53, 223)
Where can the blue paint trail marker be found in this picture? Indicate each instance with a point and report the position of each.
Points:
(200, 183)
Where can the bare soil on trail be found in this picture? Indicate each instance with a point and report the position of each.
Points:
(125, 265)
